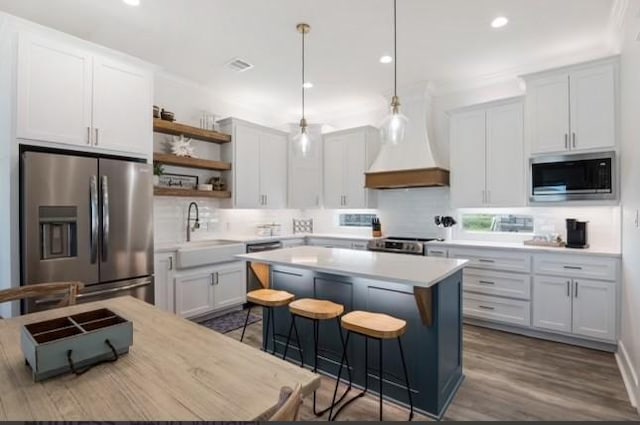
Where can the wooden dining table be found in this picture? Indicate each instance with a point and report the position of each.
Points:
(175, 370)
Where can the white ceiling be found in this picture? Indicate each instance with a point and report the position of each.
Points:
(443, 41)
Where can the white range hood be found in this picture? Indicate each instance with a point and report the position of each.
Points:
(411, 163)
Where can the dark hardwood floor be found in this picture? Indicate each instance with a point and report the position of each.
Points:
(508, 377)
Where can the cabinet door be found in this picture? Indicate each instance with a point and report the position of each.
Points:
(593, 108)
(53, 92)
(273, 170)
(334, 172)
(247, 165)
(552, 303)
(505, 156)
(548, 114)
(230, 285)
(468, 159)
(594, 306)
(355, 194)
(194, 294)
(122, 98)
(163, 280)
(305, 177)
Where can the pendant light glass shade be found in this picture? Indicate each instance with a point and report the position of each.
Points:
(393, 127)
(302, 141)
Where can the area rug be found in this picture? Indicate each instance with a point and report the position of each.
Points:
(230, 321)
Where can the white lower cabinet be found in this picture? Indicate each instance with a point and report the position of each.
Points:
(594, 309)
(552, 303)
(163, 281)
(209, 289)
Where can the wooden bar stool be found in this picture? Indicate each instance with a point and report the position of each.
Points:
(379, 327)
(316, 311)
(269, 299)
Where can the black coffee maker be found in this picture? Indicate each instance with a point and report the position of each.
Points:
(577, 236)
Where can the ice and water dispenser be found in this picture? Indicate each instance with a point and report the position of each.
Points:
(58, 232)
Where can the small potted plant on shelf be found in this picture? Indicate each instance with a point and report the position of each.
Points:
(158, 170)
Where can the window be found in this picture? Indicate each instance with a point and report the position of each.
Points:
(356, 220)
(505, 223)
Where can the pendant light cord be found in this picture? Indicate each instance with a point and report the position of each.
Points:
(395, 50)
(303, 33)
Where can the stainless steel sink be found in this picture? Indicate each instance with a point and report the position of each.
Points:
(207, 252)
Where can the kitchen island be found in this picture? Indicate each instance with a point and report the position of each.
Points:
(426, 292)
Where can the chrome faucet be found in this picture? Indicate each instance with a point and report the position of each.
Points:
(196, 224)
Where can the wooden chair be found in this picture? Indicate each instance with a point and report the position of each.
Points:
(289, 405)
(40, 290)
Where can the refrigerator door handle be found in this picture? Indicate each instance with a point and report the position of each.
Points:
(105, 218)
(94, 218)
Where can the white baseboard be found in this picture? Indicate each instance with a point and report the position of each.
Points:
(629, 374)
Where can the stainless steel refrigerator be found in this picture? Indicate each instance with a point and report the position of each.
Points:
(87, 219)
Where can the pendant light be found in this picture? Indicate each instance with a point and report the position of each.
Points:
(302, 141)
(394, 125)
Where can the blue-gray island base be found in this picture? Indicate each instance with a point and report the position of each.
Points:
(432, 343)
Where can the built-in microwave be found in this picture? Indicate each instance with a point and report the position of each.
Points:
(579, 177)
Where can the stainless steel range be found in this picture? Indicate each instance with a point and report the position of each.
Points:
(399, 245)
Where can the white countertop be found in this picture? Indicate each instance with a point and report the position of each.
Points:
(249, 239)
(522, 247)
(408, 269)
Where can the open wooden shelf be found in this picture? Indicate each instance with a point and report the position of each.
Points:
(183, 161)
(177, 129)
(189, 193)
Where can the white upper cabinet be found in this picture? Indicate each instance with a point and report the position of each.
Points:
(54, 92)
(71, 96)
(573, 109)
(122, 97)
(467, 158)
(593, 112)
(305, 176)
(258, 178)
(348, 155)
(487, 156)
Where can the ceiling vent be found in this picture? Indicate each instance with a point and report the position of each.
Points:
(239, 65)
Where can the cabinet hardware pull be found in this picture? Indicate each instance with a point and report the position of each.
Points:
(566, 140)
(568, 288)
(88, 135)
(170, 263)
(574, 139)
(573, 267)
(97, 135)
(488, 196)
(217, 278)
(483, 260)
(484, 307)
(484, 196)
(486, 282)
(576, 289)
(212, 279)
(437, 252)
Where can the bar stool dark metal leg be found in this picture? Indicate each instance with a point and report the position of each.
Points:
(366, 378)
(293, 327)
(244, 329)
(316, 338)
(380, 375)
(273, 330)
(266, 334)
(406, 378)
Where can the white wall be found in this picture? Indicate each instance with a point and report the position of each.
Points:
(629, 345)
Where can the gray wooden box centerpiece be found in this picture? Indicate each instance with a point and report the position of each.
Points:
(75, 343)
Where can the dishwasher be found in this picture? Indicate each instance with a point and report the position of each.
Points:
(253, 282)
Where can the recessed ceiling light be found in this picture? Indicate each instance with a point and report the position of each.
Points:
(386, 59)
(499, 22)
(132, 2)
(307, 85)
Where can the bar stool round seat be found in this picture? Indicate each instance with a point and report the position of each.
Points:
(375, 325)
(270, 297)
(316, 309)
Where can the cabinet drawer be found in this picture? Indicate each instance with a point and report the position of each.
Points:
(437, 252)
(494, 260)
(489, 282)
(497, 309)
(576, 266)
